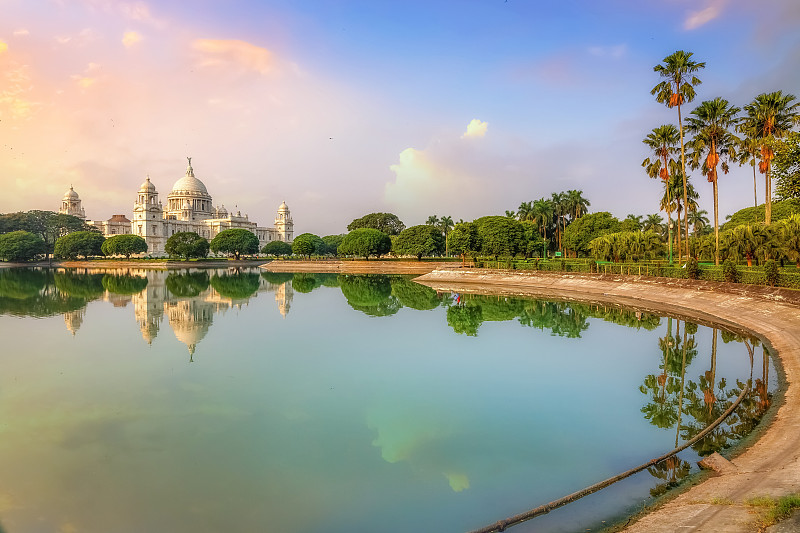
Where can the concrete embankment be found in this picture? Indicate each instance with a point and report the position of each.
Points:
(771, 466)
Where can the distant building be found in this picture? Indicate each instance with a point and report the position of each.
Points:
(189, 208)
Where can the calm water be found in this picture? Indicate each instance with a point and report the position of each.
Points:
(210, 401)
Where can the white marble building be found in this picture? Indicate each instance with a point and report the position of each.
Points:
(189, 208)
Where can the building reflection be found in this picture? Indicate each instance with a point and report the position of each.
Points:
(189, 299)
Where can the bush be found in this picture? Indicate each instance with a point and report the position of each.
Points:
(771, 272)
(692, 268)
(730, 271)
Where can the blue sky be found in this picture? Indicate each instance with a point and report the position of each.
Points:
(344, 108)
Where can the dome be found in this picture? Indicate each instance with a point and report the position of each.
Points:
(147, 186)
(70, 194)
(283, 208)
(222, 212)
(189, 184)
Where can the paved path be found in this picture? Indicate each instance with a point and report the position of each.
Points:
(771, 467)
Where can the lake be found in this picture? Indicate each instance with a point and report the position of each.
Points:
(240, 400)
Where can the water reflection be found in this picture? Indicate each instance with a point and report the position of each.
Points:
(444, 429)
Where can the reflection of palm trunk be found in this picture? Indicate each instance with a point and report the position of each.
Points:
(765, 367)
(710, 398)
(683, 376)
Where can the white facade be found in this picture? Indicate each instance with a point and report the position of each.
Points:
(189, 208)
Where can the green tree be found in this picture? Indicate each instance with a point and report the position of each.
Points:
(769, 116)
(790, 237)
(744, 241)
(580, 233)
(278, 248)
(186, 244)
(88, 286)
(787, 167)
(332, 243)
(465, 319)
(307, 244)
(414, 295)
(387, 223)
(124, 245)
(750, 215)
(543, 212)
(21, 246)
(433, 220)
(305, 282)
(236, 242)
(632, 223)
(446, 225)
(365, 242)
(463, 239)
(699, 221)
(124, 283)
(237, 286)
(79, 243)
(653, 222)
(711, 123)
(499, 236)
(677, 88)
(418, 241)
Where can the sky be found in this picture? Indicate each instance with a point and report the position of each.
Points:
(342, 108)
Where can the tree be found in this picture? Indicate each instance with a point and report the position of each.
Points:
(370, 294)
(790, 237)
(699, 221)
(748, 154)
(580, 233)
(79, 243)
(749, 215)
(676, 89)
(235, 241)
(578, 205)
(770, 116)
(124, 245)
(332, 243)
(499, 236)
(278, 248)
(446, 225)
(186, 244)
(653, 222)
(20, 246)
(463, 239)
(307, 244)
(744, 241)
(663, 141)
(365, 242)
(543, 211)
(48, 225)
(418, 241)
(433, 220)
(710, 123)
(238, 286)
(387, 223)
(632, 223)
(787, 167)
(189, 284)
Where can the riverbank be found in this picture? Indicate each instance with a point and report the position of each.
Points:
(142, 264)
(358, 267)
(771, 466)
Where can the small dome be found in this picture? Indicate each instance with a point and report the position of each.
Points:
(283, 208)
(70, 194)
(147, 186)
(222, 212)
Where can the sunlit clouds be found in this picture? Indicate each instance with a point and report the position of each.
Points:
(131, 38)
(220, 52)
(3, 47)
(475, 128)
(700, 17)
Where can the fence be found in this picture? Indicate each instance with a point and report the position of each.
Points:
(788, 277)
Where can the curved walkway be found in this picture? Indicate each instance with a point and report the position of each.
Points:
(771, 467)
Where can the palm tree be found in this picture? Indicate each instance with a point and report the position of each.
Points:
(672, 199)
(525, 211)
(744, 241)
(542, 214)
(579, 205)
(770, 116)
(511, 214)
(633, 222)
(790, 237)
(433, 220)
(676, 89)
(663, 141)
(710, 123)
(698, 220)
(445, 224)
(559, 211)
(748, 154)
(653, 223)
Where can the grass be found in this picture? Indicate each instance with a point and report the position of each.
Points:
(772, 510)
(721, 501)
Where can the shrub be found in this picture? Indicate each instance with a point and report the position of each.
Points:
(692, 268)
(771, 272)
(730, 271)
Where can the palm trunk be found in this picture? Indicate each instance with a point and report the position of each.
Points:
(768, 203)
(716, 205)
(685, 189)
(680, 248)
(755, 193)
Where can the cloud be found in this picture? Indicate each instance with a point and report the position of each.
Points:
(696, 19)
(613, 52)
(475, 128)
(130, 38)
(21, 32)
(16, 83)
(3, 47)
(219, 52)
(82, 38)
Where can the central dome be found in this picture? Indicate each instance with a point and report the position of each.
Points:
(189, 183)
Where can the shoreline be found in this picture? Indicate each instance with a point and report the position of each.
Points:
(770, 466)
